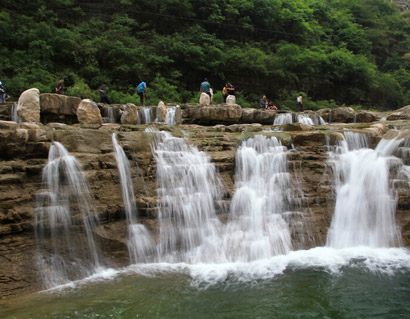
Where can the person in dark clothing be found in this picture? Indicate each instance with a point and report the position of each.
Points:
(230, 89)
(59, 89)
(103, 94)
(3, 94)
(263, 102)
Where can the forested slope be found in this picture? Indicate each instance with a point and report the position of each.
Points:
(348, 51)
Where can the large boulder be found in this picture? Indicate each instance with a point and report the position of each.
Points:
(265, 117)
(88, 112)
(214, 114)
(366, 117)
(161, 112)
(130, 114)
(28, 106)
(59, 104)
(342, 115)
(248, 115)
(400, 114)
(231, 99)
(204, 99)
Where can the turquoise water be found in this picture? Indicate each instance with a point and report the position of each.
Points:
(321, 283)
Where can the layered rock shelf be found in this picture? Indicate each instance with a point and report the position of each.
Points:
(24, 150)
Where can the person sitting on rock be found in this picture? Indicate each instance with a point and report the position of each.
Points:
(263, 102)
(271, 106)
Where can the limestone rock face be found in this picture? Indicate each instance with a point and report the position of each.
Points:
(88, 112)
(59, 104)
(343, 115)
(28, 108)
(215, 114)
(129, 114)
(204, 99)
(297, 127)
(162, 111)
(248, 115)
(400, 114)
(231, 99)
(366, 117)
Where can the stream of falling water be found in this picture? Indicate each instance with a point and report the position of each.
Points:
(140, 243)
(187, 189)
(256, 228)
(65, 208)
(365, 204)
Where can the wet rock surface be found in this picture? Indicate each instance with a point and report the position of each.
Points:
(24, 151)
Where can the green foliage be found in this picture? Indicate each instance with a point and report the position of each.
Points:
(337, 52)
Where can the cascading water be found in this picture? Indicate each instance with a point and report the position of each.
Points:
(140, 244)
(256, 228)
(304, 119)
(170, 118)
(111, 115)
(14, 114)
(283, 119)
(365, 205)
(64, 221)
(146, 111)
(187, 188)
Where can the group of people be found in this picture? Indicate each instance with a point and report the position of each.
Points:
(266, 104)
(141, 91)
(228, 89)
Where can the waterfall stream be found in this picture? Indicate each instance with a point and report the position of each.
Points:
(140, 244)
(365, 204)
(256, 228)
(64, 221)
(187, 189)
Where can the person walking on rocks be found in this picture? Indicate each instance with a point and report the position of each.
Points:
(103, 93)
(59, 89)
(299, 100)
(141, 91)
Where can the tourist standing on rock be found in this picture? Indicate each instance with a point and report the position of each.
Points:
(230, 88)
(141, 91)
(263, 102)
(103, 93)
(225, 92)
(60, 86)
(205, 88)
(299, 100)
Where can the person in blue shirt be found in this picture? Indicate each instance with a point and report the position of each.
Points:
(142, 90)
(205, 87)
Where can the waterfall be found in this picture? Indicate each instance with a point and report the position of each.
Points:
(140, 245)
(170, 118)
(187, 190)
(14, 114)
(304, 119)
(64, 221)
(256, 228)
(146, 111)
(365, 204)
(318, 120)
(111, 115)
(283, 119)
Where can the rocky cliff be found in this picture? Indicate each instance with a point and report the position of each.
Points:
(24, 150)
